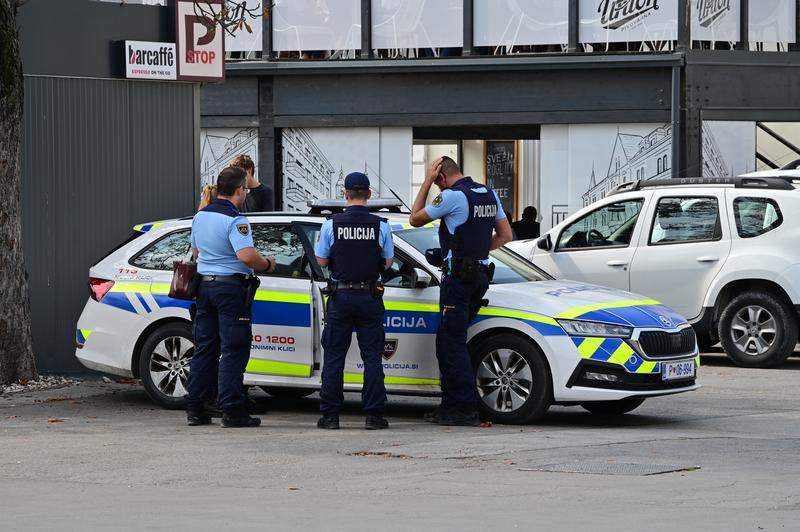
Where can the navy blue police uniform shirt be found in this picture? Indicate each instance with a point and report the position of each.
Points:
(323, 247)
(218, 232)
(452, 207)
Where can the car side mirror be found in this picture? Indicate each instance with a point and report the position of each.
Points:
(420, 278)
(545, 243)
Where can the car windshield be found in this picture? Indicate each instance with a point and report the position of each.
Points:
(509, 267)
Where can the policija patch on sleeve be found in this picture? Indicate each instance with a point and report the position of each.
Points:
(437, 201)
(243, 229)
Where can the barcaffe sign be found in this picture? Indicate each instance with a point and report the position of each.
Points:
(150, 60)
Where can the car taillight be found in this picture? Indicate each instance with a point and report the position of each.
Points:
(98, 288)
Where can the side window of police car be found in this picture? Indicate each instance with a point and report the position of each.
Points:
(282, 242)
(609, 226)
(686, 219)
(161, 254)
(400, 274)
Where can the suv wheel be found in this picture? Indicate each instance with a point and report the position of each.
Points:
(514, 384)
(164, 364)
(758, 330)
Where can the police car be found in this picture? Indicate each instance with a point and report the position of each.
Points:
(537, 342)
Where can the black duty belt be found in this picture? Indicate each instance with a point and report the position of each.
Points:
(230, 279)
(346, 285)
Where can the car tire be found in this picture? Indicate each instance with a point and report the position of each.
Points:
(521, 390)
(613, 408)
(164, 362)
(287, 393)
(758, 330)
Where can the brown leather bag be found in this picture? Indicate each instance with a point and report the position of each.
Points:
(184, 280)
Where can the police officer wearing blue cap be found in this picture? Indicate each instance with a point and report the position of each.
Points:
(473, 223)
(356, 246)
(222, 242)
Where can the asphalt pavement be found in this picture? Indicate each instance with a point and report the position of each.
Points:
(100, 456)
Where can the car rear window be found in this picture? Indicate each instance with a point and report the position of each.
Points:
(756, 216)
(161, 254)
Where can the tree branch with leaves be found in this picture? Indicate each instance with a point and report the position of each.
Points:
(230, 15)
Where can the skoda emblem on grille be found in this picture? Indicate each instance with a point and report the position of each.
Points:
(665, 321)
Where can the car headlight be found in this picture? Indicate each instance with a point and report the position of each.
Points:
(594, 328)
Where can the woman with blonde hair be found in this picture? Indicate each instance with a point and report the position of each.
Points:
(208, 195)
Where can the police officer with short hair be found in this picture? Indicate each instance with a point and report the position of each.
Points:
(222, 241)
(473, 223)
(356, 246)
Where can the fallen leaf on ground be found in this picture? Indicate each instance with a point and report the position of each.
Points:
(54, 420)
(125, 380)
(293, 488)
(23, 381)
(486, 424)
(12, 417)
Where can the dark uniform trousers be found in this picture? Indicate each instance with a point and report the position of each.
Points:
(459, 302)
(222, 335)
(348, 310)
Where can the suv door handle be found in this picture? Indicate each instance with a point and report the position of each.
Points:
(617, 263)
(708, 258)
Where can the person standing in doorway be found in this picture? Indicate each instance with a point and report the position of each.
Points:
(528, 227)
(473, 223)
(259, 196)
(357, 246)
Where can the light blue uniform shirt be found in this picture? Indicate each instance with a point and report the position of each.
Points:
(218, 232)
(452, 207)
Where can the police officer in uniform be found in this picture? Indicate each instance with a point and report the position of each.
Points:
(222, 242)
(473, 223)
(357, 246)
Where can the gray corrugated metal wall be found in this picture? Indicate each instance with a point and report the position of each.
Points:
(98, 157)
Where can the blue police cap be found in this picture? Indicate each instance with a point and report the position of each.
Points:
(356, 181)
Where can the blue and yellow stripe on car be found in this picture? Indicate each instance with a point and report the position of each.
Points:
(81, 336)
(629, 312)
(144, 228)
(614, 351)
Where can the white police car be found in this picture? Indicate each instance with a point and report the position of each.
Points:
(538, 342)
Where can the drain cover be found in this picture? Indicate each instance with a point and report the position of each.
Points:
(611, 468)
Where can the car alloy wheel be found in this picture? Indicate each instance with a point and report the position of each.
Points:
(504, 380)
(753, 330)
(169, 365)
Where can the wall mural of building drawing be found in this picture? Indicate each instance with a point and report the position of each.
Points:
(582, 163)
(315, 162)
(218, 147)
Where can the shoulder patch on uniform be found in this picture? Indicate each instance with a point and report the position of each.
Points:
(437, 201)
(243, 229)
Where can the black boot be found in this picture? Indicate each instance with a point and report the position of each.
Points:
(197, 415)
(239, 418)
(434, 416)
(376, 423)
(328, 422)
(460, 418)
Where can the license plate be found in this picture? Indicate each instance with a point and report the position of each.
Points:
(672, 371)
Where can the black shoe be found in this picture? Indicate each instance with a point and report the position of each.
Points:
(457, 418)
(328, 422)
(434, 416)
(239, 418)
(376, 423)
(197, 416)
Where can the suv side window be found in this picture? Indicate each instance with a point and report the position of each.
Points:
(281, 241)
(686, 219)
(401, 273)
(756, 216)
(607, 227)
(166, 250)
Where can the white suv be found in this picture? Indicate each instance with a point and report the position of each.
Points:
(724, 252)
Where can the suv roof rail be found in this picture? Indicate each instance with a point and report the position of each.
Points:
(767, 182)
(334, 206)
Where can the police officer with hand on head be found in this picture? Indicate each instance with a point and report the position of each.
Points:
(356, 246)
(473, 223)
(222, 242)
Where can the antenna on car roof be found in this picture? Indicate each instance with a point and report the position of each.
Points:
(794, 165)
(390, 190)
